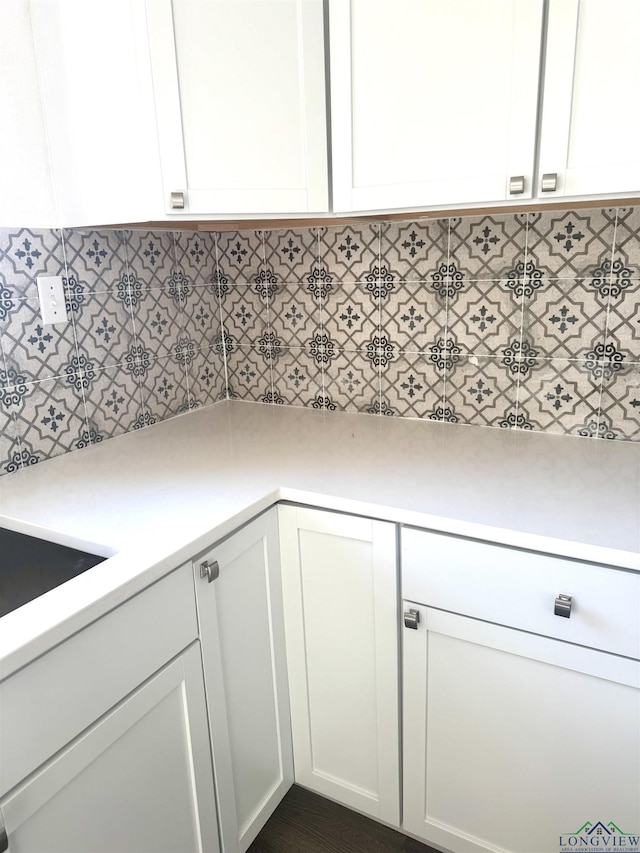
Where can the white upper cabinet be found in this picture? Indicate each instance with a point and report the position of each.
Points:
(96, 95)
(239, 92)
(432, 102)
(590, 117)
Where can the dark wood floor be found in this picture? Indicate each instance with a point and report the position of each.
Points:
(307, 823)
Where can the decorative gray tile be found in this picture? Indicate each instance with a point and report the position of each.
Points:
(240, 255)
(14, 388)
(620, 408)
(37, 351)
(483, 316)
(206, 378)
(605, 363)
(294, 315)
(201, 315)
(564, 318)
(487, 247)
(352, 382)
(623, 321)
(444, 353)
(196, 256)
(412, 387)
(96, 260)
(569, 244)
(249, 375)
(52, 420)
(9, 444)
(292, 254)
(479, 391)
(104, 328)
(245, 315)
(412, 316)
(114, 403)
(414, 250)
(560, 396)
(151, 257)
(519, 357)
(8, 298)
(350, 252)
(27, 253)
(351, 315)
(158, 321)
(164, 387)
(21, 455)
(626, 255)
(297, 378)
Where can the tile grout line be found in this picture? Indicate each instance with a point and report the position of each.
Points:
(182, 298)
(445, 378)
(599, 419)
(124, 235)
(521, 330)
(218, 283)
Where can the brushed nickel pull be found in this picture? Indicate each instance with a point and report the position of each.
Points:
(563, 606)
(411, 619)
(4, 838)
(549, 183)
(208, 570)
(177, 201)
(516, 185)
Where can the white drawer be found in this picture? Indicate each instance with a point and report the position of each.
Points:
(518, 588)
(50, 701)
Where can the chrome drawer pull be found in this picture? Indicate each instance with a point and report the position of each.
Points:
(411, 619)
(210, 571)
(563, 606)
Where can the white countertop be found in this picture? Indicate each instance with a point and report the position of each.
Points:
(158, 496)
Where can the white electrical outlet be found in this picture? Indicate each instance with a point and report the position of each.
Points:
(52, 303)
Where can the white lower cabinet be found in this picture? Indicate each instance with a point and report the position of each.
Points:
(242, 635)
(138, 781)
(341, 618)
(514, 741)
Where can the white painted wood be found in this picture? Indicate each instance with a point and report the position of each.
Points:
(26, 183)
(80, 679)
(242, 632)
(340, 600)
(592, 80)
(431, 102)
(240, 104)
(506, 737)
(98, 106)
(519, 588)
(139, 780)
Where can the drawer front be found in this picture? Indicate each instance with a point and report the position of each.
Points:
(50, 701)
(519, 588)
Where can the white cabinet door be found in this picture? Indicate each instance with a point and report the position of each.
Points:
(240, 104)
(432, 102)
(590, 120)
(242, 633)
(139, 781)
(97, 99)
(516, 742)
(340, 597)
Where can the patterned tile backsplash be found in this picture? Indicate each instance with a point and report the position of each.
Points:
(528, 321)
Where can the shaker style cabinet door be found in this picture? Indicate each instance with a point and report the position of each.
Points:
(139, 781)
(240, 103)
(432, 102)
(590, 117)
(508, 737)
(340, 599)
(239, 600)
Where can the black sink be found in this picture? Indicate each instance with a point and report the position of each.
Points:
(29, 567)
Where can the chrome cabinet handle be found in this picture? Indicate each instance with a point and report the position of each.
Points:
(177, 201)
(411, 619)
(549, 183)
(563, 606)
(516, 185)
(208, 570)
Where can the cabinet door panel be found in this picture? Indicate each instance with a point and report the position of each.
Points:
(506, 734)
(239, 92)
(592, 81)
(139, 780)
(340, 596)
(432, 103)
(242, 633)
